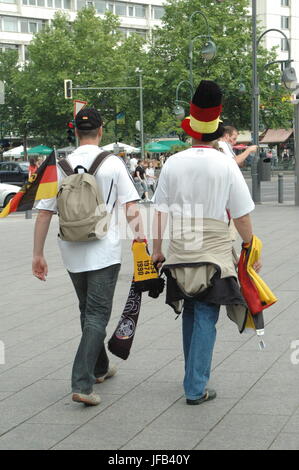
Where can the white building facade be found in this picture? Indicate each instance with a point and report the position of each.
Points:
(282, 15)
(21, 19)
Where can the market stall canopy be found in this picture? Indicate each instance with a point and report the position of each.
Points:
(164, 145)
(64, 151)
(121, 145)
(244, 137)
(39, 150)
(15, 152)
(276, 136)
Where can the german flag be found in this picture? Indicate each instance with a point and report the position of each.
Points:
(41, 185)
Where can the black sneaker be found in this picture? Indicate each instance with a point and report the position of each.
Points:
(209, 395)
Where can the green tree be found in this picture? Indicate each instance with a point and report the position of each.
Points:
(92, 52)
(230, 28)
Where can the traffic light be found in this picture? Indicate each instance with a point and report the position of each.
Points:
(71, 132)
(137, 139)
(68, 92)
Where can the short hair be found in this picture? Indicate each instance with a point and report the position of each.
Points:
(229, 130)
(87, 133)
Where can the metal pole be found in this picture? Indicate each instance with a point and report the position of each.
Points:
(280, 188)
(141, 115)
(296, 140)
(256, 184)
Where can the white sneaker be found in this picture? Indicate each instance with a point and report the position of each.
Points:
(92, 399)
(111, 372)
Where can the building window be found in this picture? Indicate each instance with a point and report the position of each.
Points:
(8, 1)
(31, 26)
(121, 9)
(157, 13)
(285, 3)
(9, 24)
(285, 20)
(8, 47)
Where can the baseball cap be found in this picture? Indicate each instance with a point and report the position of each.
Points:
(88, 119)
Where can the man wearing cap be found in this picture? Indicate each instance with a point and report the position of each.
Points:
(94, 265)
(196, 188)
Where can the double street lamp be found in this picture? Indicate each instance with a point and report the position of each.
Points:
(288, 78)
(208, 52)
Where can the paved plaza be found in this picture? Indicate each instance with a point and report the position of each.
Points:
(143, 406)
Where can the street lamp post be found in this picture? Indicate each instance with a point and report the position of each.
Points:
(288, 78)
(208, 52)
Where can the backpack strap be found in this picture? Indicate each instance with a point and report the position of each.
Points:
(66, 167)
(98, 162)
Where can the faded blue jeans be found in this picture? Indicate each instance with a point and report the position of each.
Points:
(199, 335)
(95, 290)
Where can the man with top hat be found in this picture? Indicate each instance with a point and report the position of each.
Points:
(196, 189)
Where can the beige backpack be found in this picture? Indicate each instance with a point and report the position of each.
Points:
(81, 207)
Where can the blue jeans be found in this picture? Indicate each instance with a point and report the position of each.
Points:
(199, 335)
(95, 290)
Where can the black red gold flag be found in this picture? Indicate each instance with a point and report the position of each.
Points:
(41, 185)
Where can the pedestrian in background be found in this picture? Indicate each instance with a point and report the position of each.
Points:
(140, 179)
(150, 176)
(229, 140)
(32, 167)
(93, 266)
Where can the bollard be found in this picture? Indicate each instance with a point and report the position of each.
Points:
(280, 188)
(28, 214)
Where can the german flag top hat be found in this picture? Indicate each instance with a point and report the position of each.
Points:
(204, 121)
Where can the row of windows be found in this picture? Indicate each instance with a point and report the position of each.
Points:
(122, 9)
(12, 24)
(65, 4)
(118, 8)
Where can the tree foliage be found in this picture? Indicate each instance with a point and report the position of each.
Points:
(92, 52)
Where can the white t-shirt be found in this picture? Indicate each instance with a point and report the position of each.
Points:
(150, 173)
(201, 178)
(133, 164)
(117, 188)
(226, 148)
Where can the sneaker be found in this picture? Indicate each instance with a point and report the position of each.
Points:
(111, 372)
(92, 399)
(209, 395)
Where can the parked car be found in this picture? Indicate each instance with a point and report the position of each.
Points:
(14, 172)
(7, 191)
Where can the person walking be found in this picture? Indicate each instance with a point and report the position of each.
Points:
(93, 266)
(150, 176)
(196, 188)
(140, 178)
(32, 167)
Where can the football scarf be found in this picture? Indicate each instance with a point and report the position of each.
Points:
(146, 278)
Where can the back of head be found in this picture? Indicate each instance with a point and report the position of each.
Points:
(88, 121)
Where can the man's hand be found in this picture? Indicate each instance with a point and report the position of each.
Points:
(258, 265)
(158, 259)
(39, 267)
(252, 148)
